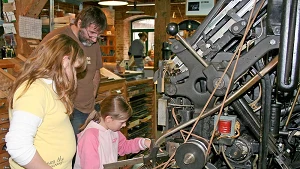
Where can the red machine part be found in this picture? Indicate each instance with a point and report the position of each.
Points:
(224, 126)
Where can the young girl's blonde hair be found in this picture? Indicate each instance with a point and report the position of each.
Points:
(46, 61)
(114, 105)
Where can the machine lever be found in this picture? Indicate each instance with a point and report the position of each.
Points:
(172, 29)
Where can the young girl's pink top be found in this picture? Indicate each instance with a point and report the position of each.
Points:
(98, 146)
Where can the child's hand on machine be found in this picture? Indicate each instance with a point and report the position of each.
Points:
(147, 142)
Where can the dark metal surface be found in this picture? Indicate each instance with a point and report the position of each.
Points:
(229, 100)
(132, 161)
(191, 155)
(288, 67)
(237, 63)
(234, 54)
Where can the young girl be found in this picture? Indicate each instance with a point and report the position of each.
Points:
(101, 140)
(40, 105)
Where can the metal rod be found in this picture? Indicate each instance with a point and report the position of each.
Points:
(193, 52)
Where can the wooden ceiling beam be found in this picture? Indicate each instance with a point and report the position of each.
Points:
(32, 8)
(28, 8)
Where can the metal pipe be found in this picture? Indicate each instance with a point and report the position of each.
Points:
(288, 65)
(243, 113)
(266, 115)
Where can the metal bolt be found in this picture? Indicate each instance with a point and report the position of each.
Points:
(235, 28)
(176, 47)
(288, 151)
(216, 81)
(243, 23)
(188, 158)
(277, 30)
(272, 42)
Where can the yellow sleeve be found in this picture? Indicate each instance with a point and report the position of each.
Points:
(33, 100)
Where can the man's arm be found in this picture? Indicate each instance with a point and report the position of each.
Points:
(96, 82)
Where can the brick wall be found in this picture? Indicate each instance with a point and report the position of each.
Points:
(123, 23)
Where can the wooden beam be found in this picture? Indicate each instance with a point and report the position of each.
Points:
(34, 8)
(162, 8)
(28, 8)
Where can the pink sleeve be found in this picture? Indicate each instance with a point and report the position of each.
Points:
(88, 149)
(129, 146)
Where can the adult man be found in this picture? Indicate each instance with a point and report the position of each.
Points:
(138, 50)
(88, 25)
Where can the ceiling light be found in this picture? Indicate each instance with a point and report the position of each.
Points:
(135, 11)
(153, 4)
(143, 4)
(112, 3)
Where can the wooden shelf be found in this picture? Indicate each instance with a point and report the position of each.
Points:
(108, 45)
(6, 63)
(141, 94)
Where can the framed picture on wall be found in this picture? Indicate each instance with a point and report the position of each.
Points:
(198, 7)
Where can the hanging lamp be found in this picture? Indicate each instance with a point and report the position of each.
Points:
(135, 10)
(113, 3)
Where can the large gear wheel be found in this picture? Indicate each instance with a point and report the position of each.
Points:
(191, 155)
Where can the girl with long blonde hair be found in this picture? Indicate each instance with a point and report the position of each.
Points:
(40, 133)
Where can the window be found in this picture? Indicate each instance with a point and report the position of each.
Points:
(143, 25)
